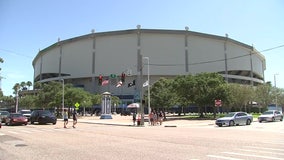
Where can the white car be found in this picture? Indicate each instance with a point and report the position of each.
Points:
(234, 118)
(26, 113)
(270, 116)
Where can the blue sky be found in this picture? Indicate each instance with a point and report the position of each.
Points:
(30, 25)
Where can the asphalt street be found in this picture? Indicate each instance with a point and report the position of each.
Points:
(118, 139)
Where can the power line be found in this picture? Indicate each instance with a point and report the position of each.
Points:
(204, 62)
(218, 60)
(15, 53)
(269, 49)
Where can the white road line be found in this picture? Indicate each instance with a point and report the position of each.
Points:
(13, 132)
(222, 157)
(25, 131)
(37, 130)
(2, 134)
(265, 148)
(260, 151)
(274, 142)
(250, 155)
(48, 130)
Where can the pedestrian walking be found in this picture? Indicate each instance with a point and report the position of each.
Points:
(155, 117)
(134, 118)
(65, 118)
(160, 116)
(74, 115)
(151, 117)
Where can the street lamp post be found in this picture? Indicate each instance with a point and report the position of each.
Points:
(62, 96)
(275, 90)
(149, 108)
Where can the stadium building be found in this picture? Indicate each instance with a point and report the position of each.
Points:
(83, 60)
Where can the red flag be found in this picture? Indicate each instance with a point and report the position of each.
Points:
(105, 82)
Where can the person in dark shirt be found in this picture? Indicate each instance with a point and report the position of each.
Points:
(74, 114)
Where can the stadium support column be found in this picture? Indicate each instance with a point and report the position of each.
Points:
(226, 59)
(139, 70)
(251, 68)
(93, 59)
(186, 49)
(60, 58)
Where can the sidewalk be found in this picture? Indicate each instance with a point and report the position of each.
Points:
(118, 120)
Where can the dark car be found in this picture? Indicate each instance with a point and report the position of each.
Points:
(16, 119)
(3, 116)
(43, 117)
(125, 113)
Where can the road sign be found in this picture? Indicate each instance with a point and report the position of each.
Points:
(218, 102)
(77, 105)
(112, 75)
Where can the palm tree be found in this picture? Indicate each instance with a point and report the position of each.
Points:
(29, 84)
(1, 61)
(23, 85)
(16, 88)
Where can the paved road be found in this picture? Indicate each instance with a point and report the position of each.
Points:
(189, 140)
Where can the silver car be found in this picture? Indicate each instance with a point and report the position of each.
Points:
(270, 116)
(3, 116)
(235, 118)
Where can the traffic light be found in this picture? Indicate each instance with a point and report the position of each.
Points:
(100, 80)
(122, 77)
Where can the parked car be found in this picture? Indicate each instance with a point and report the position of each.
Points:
(235, 118)
(43, 117)
(16, 119)
(270, 116)
(3, 116)
(27, 113)
(125, 113)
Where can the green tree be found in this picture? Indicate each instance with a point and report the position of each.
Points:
(23, 85)
(1, 61)
(242, 96)
(74, 95)
(29, 84)
(263, 96)
(16, 88)
(48, 94)
(96, 99)
(1, 92)
(161, 94)
(207, 88)
(27, 102)
(280, 97)
(183, 87)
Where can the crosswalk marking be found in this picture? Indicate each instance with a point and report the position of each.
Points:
(266, 148)
(253, 152)
(251, 155)
(2, 134)
(25, 131)
(260, 151)
(223, 157)
(13, 132)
